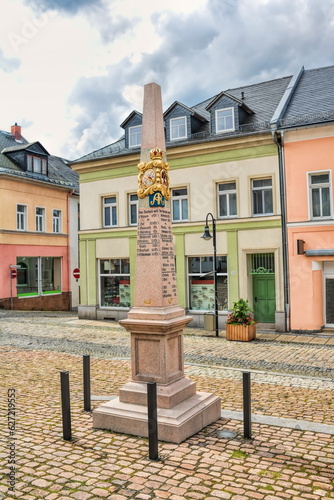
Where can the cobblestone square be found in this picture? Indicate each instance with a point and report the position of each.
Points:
(291, 380)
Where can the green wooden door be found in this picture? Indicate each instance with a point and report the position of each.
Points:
(264, 298)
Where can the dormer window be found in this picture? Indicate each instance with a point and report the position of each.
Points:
(37, 164)
(135, 136)
(224, 120)
(178, 128)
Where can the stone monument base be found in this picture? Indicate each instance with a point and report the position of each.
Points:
(174, 424)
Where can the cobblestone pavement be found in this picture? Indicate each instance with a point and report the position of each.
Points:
(290, 378)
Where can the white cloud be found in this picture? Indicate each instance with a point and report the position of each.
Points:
(72, 70)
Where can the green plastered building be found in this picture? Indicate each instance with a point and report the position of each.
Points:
(224, 166)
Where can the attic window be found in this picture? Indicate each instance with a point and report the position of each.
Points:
(178, 128)
(135, 136)
(224, 120)
(37, 165)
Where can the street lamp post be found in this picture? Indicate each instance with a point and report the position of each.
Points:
(207, 236)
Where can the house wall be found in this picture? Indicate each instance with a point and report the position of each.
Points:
(236, 237)
(308, 150)
(74, 249)
(14, 243)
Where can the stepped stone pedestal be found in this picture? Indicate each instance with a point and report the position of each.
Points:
(156, 321)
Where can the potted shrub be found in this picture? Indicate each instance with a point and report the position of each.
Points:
(240, 324)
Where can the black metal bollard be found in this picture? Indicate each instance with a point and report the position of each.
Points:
(247, 405)
(152, 420)
(86, 381)
(65, 405)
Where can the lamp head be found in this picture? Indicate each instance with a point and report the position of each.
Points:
(206, 235)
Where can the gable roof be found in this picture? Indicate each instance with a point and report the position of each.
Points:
(307, 97)
(240, 102)
(313, 99)
(131, 115)
(192, 111)
(59, 170)
(26, 146)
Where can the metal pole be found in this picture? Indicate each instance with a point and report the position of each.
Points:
(86, 381)
(65, 405)
(11, 292)
(152, 420)
(215, 274)
(247, 405)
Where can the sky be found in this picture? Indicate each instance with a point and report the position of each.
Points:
(71, 71)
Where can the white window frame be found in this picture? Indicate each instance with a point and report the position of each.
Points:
(132, 203)
(40, 220)
(227, 193)
(174, 127)
(312, 187)
(225, 129)
(262, 188)
(179, 199)
(112, 206)
(56, 220)
(135, 137)
(21, 217)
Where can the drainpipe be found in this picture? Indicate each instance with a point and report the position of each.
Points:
(69, 245)
(278, 137)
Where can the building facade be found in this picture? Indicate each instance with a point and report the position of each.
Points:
(223, 162)
(306, 129)
(38, 227)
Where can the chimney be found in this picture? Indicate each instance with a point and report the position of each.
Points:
(16, 131)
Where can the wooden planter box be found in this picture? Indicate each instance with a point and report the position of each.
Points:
(240, 332)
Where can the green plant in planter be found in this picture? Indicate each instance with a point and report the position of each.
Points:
(241, 314)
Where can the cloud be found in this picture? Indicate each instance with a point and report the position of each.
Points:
(8, 64)
(70, 6)
(217, 46)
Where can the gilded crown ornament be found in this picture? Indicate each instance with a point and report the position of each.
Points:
(153, 176)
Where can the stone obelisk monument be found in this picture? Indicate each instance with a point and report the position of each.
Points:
(156, 321)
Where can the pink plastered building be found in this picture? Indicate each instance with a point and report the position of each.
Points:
(38, 227)
(309, 163)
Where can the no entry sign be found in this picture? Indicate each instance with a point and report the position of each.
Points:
(13, 273)
(76, 273)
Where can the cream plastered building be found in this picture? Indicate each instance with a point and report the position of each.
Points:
(224, 168)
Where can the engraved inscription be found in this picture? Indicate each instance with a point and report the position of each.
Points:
(155, 240)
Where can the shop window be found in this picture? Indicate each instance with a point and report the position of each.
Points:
(201, 283)
(38, 276)
(114, 282)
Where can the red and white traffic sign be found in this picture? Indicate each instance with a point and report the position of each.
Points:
(76, 273)
(13, 272)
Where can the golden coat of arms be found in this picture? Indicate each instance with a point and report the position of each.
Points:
(153, 176)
